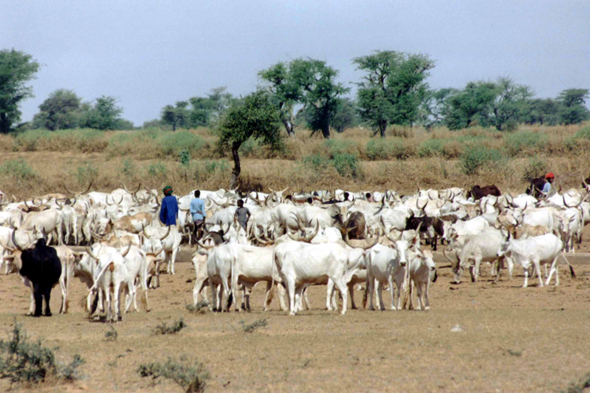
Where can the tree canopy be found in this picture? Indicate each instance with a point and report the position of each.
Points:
(60, 111)
(256, 117)
(392, 89)
(16, 69)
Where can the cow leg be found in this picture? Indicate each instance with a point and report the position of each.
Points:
(329, 295)
(420, 294)
(64, 294)
(282, 292)
(268, 296)
(305, 299)
(425, 292)
(526, 277)
(537, 266)
(380, 295)
(351, 293)
(411, 297)
(343, 291)
(371, 291)
(392, 293)
(291, 293)
(38, 296)
(47, 296)
(200, 283)
(555, 270)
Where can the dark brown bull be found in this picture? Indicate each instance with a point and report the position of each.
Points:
(355, 225)
(536, 187)
(478, 192)
(431, 227)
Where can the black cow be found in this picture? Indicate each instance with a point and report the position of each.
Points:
(478, 192)
(42, 267)
(431, 226)
(536, 187)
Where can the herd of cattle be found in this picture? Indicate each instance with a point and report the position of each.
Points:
(114, 243)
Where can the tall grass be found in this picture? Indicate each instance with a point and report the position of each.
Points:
(31, 164)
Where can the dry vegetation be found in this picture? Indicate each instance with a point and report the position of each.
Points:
(37, 162)
(510, 339)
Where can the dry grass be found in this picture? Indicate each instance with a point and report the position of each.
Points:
(423, 159)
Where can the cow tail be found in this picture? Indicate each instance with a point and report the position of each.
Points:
(93, 288)
(568, 263)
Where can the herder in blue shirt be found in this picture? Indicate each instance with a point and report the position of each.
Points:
(169, 208)
(198, 213)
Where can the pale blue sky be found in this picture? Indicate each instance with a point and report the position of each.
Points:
(149, 54)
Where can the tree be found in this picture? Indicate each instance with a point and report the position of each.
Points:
(572, 106)
(177, 116)
(509, 101)
(393, 88)
(435, 107)
(16, 69)
(541, 111)
(320, 92)
(472, 105)
(60, 111)
(345, 116)
(104, 115)
(285, 92)
(256, 117)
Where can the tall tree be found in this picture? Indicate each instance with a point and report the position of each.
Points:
(285, 92)
(320, 92)
(572, 106)
(472, 105)
(393, 88)
(60, 111)
(256, 117)
(509, 101)
(104, 115)
(16, 69)
(176, 116)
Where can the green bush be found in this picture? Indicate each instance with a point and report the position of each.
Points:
(86, 173)
(385, 149)
(346, 164)
(534, 169)
(25, 361)
(522, 141)
(172, 143)
(339, 146)
(191, 376)
(316, 162)
(583, 133)
(157, 170)
(128, 168)
(184, 157)
(476, 157)
(19, 170)
(431, 147)
(164, 329)
(29, 140)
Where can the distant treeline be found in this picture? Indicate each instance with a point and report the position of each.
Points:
(392, 91)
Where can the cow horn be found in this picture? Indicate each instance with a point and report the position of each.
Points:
(280, 192)
(144, 232)
(5, 246)
(126, 251)
(155, 253)
(421, 208)
(167, 233)
(13, 237)
(261, 241)
(200, 243)
(446, 256)
(89, 251)
(314, 234)
(66, 188)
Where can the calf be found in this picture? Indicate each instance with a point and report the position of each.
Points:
(42, 268)
(478, 192)
(430, 227)
(422, 269)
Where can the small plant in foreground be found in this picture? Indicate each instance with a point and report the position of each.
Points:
(111, 335)
(200, 308)
(164, 329)
(251, 327)
(25, 361)
(580, 386)
(191, 376)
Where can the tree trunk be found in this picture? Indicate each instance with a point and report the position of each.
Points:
(4, 125)
(235, 173)
(382, 128)
(289, 128)
(326, 129)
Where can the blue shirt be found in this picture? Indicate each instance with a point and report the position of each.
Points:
(546, 188)
(197, 209)
(169, 210)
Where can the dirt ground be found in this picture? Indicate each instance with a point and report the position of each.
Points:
(510, 339)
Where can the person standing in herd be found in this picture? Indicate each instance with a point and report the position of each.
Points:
(242, 214)
(197, 210)
(169, 209)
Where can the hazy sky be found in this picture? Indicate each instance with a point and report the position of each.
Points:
(149, 54)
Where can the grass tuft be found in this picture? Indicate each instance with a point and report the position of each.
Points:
(164, 329)
(191, 376)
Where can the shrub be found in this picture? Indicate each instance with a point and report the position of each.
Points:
(111, 334)
(453, 149)
(172, 143)
(184, 157)
(164, 329)
(191, 376)
(200, 308)
(157, 170)
(128, 168)
(511, 125)
(346, 164)
(251, 327)
(474, 158)
(522, 141)
(25, 361)
(316, 162)
(29, 140)
(430, 147)
(533, 169)
(385, 149)
(19, 170)
(86, 173)
(339, 146)
(583, 133)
